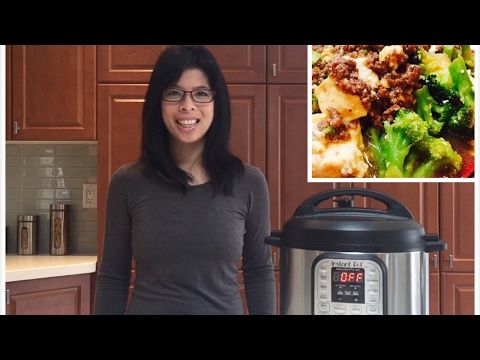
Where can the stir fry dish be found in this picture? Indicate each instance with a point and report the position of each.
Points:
(393, 111)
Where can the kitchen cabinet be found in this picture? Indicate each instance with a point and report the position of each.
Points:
(51, 92)
(63, 295)
(457, 263)
(133, 64)
(286, 64)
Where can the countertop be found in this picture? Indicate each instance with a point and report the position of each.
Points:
(29, 267)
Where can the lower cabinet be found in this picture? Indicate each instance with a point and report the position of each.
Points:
(63, 295)
(458, 291)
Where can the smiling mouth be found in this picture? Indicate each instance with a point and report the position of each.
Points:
(188, 123)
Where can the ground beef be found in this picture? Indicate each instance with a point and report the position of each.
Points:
(334, 120)
(395, 91)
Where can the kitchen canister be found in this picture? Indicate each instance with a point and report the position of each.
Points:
(59, 229)
(27, 230)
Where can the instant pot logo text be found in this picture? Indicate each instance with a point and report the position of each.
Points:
(341, 263)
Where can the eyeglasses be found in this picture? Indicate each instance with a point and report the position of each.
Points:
(177, 95)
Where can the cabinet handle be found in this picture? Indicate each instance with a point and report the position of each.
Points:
(15, 128)
(274, 69)
(450, 260)
(7, 297)
(435, 261)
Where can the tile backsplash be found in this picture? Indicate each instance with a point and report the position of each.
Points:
(38, 175)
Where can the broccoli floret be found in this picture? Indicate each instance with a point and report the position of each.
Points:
(389, 146)
(434, 113)
(438, 154)
(449, 84)
(374, 136)
(315, 57)
(407, 129)
(441, 92)
(468, 57)
(435, 64)
(464, 119)
(451, 51)
(404, 148)
(461, 81)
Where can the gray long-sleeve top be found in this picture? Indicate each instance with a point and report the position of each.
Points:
(186, 247)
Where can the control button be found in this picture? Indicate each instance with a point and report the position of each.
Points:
(373, 290)
(324, 306)
(323, 287)
(323, 297)
(356, 310)
(372, 310)
(340, 309)
(373, 281)
(323, 267)
(323, 278)
(373, 300)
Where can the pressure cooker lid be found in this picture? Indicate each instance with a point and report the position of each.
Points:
(353, 229)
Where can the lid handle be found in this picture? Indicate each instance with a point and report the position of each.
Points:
(394, 207)
(433, 243)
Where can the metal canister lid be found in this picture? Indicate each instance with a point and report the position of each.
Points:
(27, 218)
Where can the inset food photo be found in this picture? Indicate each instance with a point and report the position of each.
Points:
(392, 111)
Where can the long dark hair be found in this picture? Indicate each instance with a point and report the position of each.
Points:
(221, 165)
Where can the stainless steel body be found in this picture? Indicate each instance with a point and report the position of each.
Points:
(404, 291)
(59, 229)
(27, 230)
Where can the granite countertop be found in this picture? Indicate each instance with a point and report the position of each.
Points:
(29, 267)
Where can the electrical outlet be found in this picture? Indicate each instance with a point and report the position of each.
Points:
(90, 196)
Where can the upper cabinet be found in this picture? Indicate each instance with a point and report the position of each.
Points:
(51, 92)
(241, 64)
(132, 64)
(287, 64)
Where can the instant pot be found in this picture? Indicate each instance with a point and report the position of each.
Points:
(341, 259)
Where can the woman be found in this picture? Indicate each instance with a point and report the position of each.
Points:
(189, 209)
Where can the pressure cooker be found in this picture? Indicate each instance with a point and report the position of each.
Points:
(341, 259)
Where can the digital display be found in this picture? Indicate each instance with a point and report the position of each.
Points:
(348, 285)
(348, 276)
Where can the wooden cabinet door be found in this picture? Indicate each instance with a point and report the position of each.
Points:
(287, 64)
(434, 293)
(119, 137)
(119, 112)
(458, 291)
(8, 92)
(457, 226)
(134, 63)
(53, 92)
(64, 295)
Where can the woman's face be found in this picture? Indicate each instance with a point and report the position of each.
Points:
(187, 120)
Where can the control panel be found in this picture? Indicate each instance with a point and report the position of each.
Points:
(348, 286)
